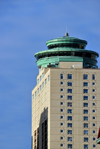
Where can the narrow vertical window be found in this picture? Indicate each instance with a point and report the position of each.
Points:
(61, 76)
(93, 77)
(42, 75)
(45, 81)
(48, 78)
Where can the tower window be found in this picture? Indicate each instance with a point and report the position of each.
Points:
(93, 77)
(38, 81)
(35, 93)
(69, 76)
(85, 139)
(85, 76)
(69, 131)
(61, 96)
(85, 118)
(69, 104)
(69, 83)
(93, 124)
(93, 97)
(61, 76)
(61, 89)
(93, 138)
(61, 117)
(42, 75)
(93, 104)
(61, 130)
(61, 145)
(85, 83)
(69, 118)
(85, 104)
(85, 111)
(48, 78)
(93, 117)
(38, 90)
(40, 87)
(61, 82)
(93, 131)
(85, 125)
(85, 132)
(61, 103)
(93, 110)
(45, 81)
(61, 138)
(94, 145)
(69, 110)
(69, 90)
(85, 90)
(93, 90)
(61, 110)
(85, 97)
(43, 84)
(69, 138)
(85, 146)
(69, 97)
(69, 145)
(69, 124)
(93, 83)
(61, 124)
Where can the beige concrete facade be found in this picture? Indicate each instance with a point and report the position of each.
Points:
(66, 111)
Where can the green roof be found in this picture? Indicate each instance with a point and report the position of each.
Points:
(66, 39)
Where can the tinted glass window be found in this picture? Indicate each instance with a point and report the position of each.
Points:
(69, 97)
(61, 76)
(69, 76)
(69, 90)
(93, 77)
(85, 97)
(69, 83)
(85, 90)
(85, 104)
(85, 76)
(85, 125)
(85, 83)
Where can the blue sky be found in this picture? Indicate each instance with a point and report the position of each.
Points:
(25, 26)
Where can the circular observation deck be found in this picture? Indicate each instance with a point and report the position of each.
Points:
(66, 49)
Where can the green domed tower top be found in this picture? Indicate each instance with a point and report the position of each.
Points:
(67, 50)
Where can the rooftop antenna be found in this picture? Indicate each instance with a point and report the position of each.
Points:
(66, 34)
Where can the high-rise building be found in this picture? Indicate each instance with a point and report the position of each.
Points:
(66, 99)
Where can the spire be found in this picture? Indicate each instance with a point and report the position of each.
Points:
(66, 34)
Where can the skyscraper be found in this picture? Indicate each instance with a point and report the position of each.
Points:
(66, 99)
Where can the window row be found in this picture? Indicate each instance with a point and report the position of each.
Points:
(68, 110)
(69, 76)
(85, 76)
(86, 97)
(70, 146)
(40, 88)
(86, 90)
(85, 118)
(69, 97)
(69, 104)
(42, 76)
(86, 83)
